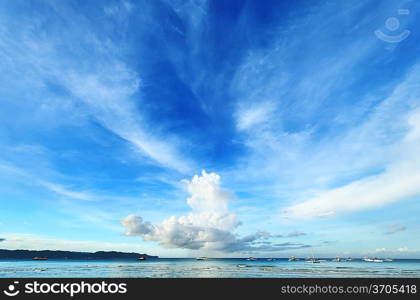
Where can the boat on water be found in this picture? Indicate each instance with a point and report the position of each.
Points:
(313, 260)
(339, 259)
(372, 259)
(40, 258)
(202, 258)
(388, 259)
(251, 258)
(141, 258)
(292, 258)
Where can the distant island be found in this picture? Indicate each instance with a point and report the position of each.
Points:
(57, 254)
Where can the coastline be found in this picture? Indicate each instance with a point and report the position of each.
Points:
(60, 254)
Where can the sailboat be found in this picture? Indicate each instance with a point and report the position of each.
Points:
(339, 259)
(313, 260)
(202, 258)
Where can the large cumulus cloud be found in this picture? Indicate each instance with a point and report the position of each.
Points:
(209, 226)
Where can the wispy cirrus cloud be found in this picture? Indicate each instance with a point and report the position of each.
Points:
(120, 10)
(398, 182)
(299, 150)
(105, 86)
(65, 191)
(108, 97)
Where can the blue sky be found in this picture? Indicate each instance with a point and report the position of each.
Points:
(223, 128)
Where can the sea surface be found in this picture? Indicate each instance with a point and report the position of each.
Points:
(219, 268)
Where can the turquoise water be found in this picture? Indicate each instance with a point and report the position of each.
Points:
(234, 268)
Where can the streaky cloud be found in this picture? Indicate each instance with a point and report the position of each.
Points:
(398, 182)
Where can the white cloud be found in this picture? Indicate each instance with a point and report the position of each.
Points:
(206, 194)
(210, 226)
(387, 251)
(64, 191)
(121, 9)
(207, 227)
(399, 181)
(380, 250)
(255, 115)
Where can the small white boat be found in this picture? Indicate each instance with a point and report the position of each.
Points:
(251, 258)
(141, 258)
(292, 258)
(313, 260)
(202, 258)
(367, 259)
(338, 259)
(388, 259)
(372, 259)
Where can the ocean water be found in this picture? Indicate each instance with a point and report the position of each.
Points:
(218, 268)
